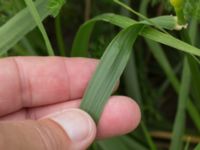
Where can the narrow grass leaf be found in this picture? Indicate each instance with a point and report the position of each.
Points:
(148, 137)
(169, 40)
(21, 24)
(111, 66)
(179, 125)
(59, 37)
(142, 16)
(38, 21)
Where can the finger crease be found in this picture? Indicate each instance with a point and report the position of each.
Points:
(25, 86)
(68, 80)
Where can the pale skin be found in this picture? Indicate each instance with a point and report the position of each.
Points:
(36, 92)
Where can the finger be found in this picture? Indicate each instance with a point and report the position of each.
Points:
(37, 81)
(120, 116)
(69, 130)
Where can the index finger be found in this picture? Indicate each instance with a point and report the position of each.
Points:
(37, 81)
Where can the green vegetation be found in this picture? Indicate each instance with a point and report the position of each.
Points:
(155, 54)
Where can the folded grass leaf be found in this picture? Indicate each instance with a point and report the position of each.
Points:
(80, 42)
(109, 71)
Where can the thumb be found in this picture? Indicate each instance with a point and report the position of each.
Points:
(71, 129)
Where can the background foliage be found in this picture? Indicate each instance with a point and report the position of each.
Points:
(149, 69)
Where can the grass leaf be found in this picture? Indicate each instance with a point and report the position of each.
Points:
(111, 66)
(124, 22)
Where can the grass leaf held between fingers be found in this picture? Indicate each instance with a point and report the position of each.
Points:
(111, 66)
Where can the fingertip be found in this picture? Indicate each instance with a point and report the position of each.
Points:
(121, 115)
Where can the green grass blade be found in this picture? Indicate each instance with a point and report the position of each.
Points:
(59, 37)
(111, 66)
(169, 40)
(148, 137)
(144, 17)
(178, 129)
(82, 40)
(194, 67)
(21, 24)
(83, 35)
(80, 44)
(38, 21)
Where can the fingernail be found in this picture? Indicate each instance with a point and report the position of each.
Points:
(76, 123)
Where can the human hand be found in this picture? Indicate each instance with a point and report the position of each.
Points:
(39, 100)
